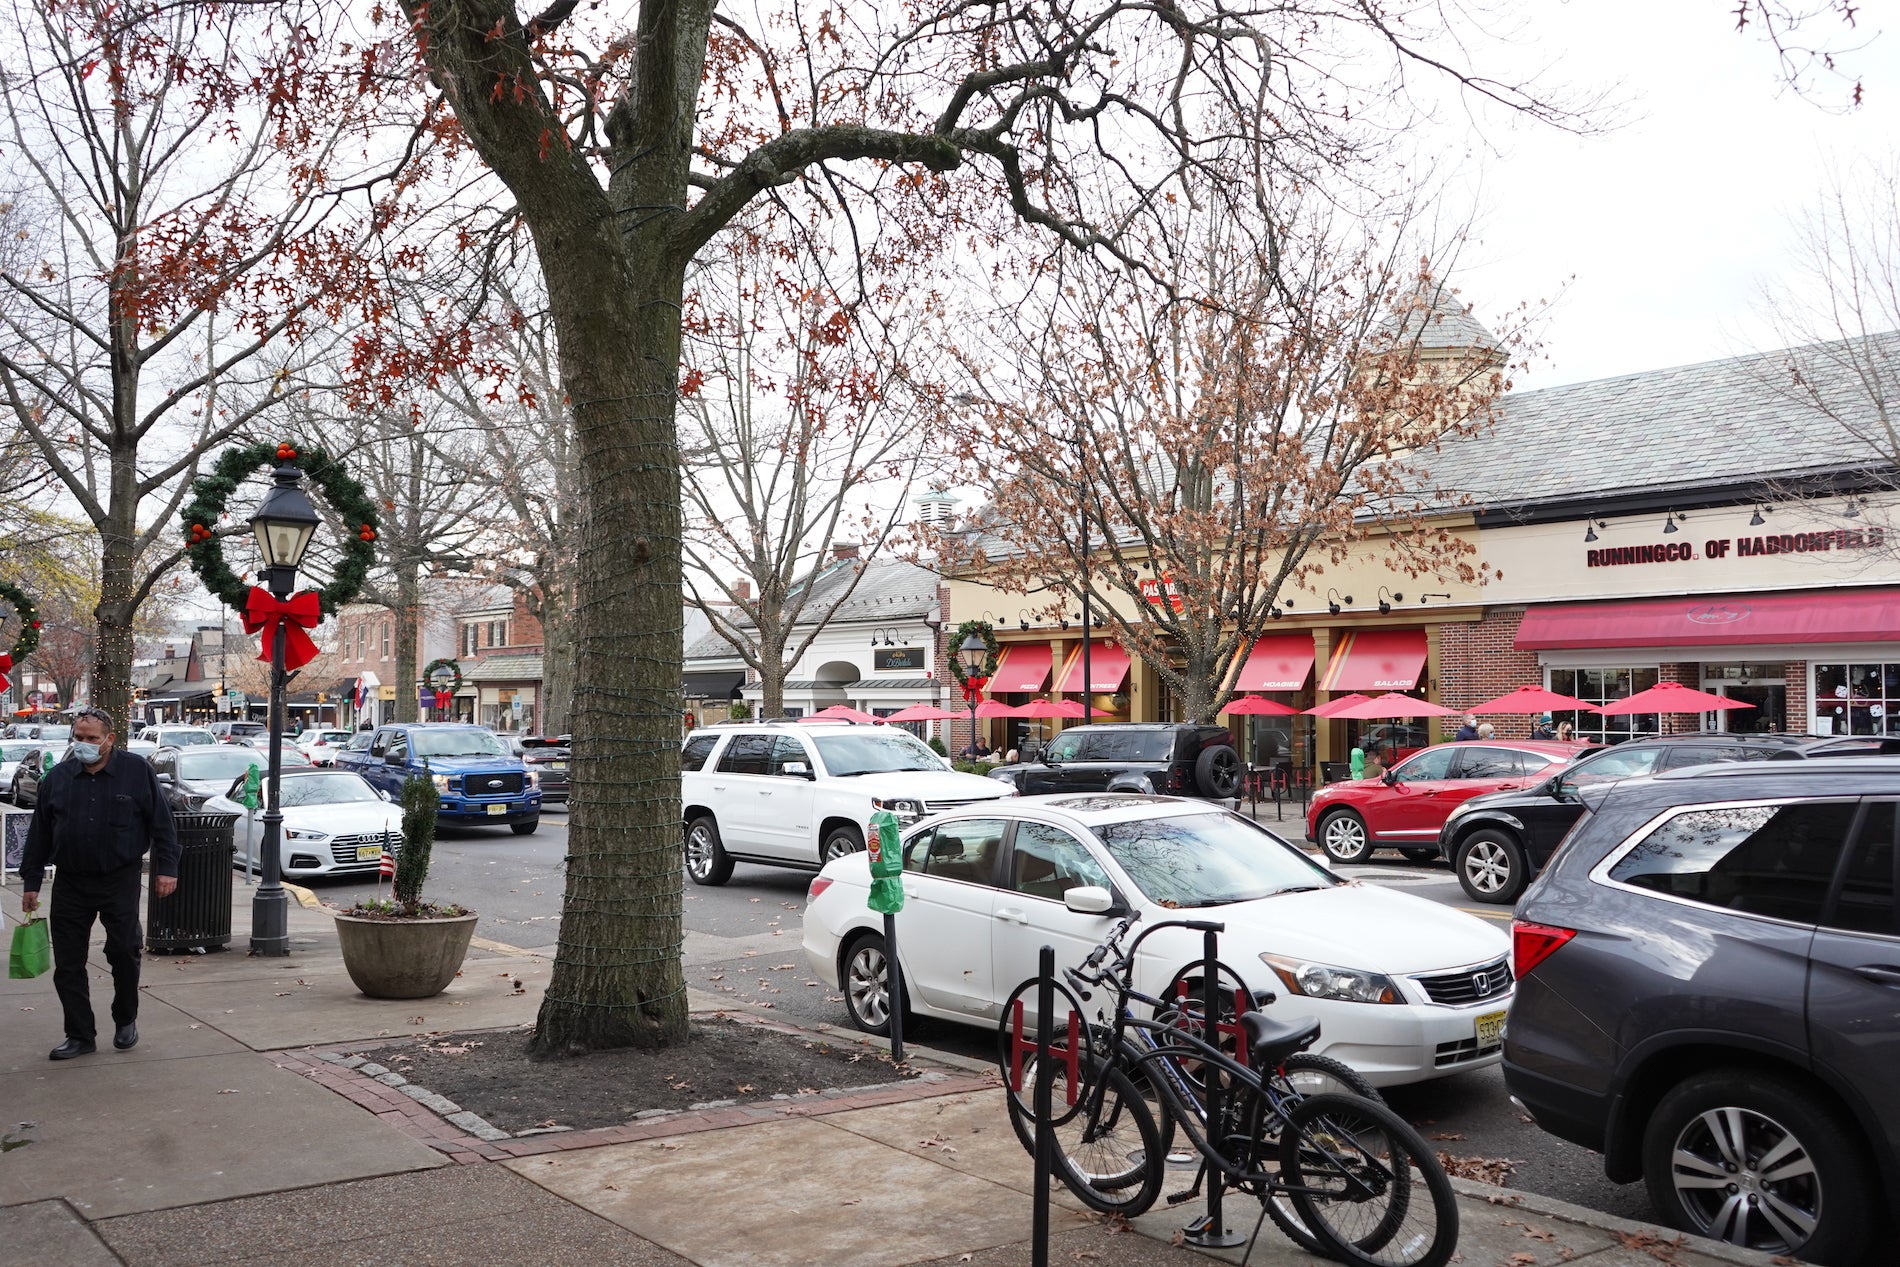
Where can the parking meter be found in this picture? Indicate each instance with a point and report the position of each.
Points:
(887, 864)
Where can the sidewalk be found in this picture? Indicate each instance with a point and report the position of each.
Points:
(240, 1130)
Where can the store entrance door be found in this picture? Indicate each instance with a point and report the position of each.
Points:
(1762, 685)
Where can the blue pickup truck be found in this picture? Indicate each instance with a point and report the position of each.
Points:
(478, 778)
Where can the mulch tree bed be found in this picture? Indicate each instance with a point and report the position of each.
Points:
(491, 1073)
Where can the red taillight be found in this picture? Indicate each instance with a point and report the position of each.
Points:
(819, 884)
(1531, 944)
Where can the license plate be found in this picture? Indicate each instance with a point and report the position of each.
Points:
(1491, 1029)
(497, 809)
(369, 853)
(557, 765)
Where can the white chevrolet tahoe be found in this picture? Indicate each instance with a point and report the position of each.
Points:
(798, 794)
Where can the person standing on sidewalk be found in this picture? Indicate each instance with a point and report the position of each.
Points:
(97, 813)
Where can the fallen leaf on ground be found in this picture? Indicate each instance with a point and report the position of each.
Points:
(1448, 1135)
(851, 1201)
(1493, 1170)
(229, 1091)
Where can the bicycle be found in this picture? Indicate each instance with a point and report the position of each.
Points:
(1339, 1173)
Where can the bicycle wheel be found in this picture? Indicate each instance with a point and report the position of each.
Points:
(1109, 1154)
(1300, 1076)
(1365, 1185)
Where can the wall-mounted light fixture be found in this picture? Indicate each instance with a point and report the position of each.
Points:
(1386, 599)
(1022, 624)
(1591, 526)
(1426, 598)
(1853, 507)
(1334, 599)
(1670, 520)
(1755, 520)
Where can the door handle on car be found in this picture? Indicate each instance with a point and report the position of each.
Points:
(1012, 914)
(1879, 973)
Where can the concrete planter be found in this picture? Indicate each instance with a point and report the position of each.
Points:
(404, 959)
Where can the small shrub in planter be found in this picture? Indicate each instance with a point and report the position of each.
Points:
(937, 746)
(404, 947)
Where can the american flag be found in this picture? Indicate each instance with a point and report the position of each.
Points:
(388, 867)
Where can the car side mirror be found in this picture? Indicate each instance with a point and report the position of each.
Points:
(1389, 778)
(1561, 790)
(1092, 899)
(165, 779)
(796, 770)
(387, 795)
(1045, 758)
(393, 758)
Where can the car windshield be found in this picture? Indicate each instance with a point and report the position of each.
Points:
(1208, 860)
(219, 761)
(327, 789)
(874, 752)
(14, 749)
(186, 738)
(456, 743)
(56, 732)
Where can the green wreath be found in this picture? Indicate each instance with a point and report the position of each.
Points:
(29, 621)
(428, 675)
(346, 498)
(983, 630)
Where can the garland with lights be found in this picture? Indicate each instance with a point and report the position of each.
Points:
(346, 498)
(982, 629)
(428, 676)
(29, 622)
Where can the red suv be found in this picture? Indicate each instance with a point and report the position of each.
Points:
(1404, 808)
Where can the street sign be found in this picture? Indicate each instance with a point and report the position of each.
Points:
(425, 696)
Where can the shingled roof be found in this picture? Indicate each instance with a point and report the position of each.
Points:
(891, 590)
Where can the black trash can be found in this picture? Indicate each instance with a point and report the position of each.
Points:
(197, 916)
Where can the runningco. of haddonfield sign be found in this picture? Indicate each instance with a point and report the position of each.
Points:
(1739, 547)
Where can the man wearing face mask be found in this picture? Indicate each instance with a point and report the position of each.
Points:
(98, 812)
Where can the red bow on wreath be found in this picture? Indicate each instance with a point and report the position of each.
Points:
(263, 613)
(6, 662)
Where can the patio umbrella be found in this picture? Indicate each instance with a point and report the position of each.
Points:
(1393, 705)
(926, 712)
(1261, 706)
(992, 708)
(1533, 700)
(1332, 706)
(844, 712)
(1671, 697)
(1056, 708)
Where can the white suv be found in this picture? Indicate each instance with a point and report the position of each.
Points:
(798, 794)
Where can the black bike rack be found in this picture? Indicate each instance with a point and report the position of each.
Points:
(1210, 1230)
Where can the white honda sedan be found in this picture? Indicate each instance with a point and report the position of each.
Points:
(1404, 989)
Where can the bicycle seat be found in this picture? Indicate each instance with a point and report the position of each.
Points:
(1270, 1041)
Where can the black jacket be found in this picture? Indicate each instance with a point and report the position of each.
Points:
(95, 823)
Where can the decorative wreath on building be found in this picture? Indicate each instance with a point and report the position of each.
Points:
(29, 621)
(346, 499)
(429, 672)
(983, 630)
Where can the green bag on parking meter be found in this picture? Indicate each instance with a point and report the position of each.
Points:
(887, 864)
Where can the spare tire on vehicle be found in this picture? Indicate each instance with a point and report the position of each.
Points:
(1217, 772)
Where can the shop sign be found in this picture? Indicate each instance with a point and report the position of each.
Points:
(1739, 547)
(890, 658)
(1159, 590)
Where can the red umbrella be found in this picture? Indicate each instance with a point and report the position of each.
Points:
(1532, 700)
(1332, 706)
(1055, 708)
(1261, 706)
(1393, 705)
(926, 712)
(844, 712)
(992, 708)
(1671, 697)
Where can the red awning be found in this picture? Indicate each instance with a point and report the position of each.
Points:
(1022, 670)
(1376, 660)
(1871, 615)
(1108, 669)
(1278, 662)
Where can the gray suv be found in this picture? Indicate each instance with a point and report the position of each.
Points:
(1709, 995)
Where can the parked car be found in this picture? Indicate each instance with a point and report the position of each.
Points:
(1405, 807)
(1405, 989)
(1496, 842)
(236, 731)
(177, 736)
(1166, 757)
(334, 822)
(1708, 971)
(547, 759)
(478, 779)
(141, 748)
(321, 746)
(11, 751)
(23, 789)
(193, 774)
(797, 794)
(44, 731)
(293, 755)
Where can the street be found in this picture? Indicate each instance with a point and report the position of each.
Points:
(742, 939)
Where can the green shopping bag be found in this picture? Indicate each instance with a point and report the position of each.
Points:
(32, 952)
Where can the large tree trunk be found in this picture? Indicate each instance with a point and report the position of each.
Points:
(118, 598)
(408, 617)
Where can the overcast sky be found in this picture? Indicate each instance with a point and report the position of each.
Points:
(1655, 238)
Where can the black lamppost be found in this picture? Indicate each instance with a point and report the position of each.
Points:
(283, 526)
(972, 652)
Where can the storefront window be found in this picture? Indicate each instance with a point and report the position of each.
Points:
(1604, 686)
(1856, 699)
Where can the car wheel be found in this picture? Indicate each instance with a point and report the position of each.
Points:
(1420, 856)
(866, 990)
(524, 829)
(1760, 1161)
(839, 842)
(706, 860)
(1217, 772)
(1491, 867)
(1342, 834)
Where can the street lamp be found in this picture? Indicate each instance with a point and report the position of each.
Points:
(971, 653)
(283, 525)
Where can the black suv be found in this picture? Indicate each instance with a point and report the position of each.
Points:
(1707, 982)
(1178, 759)
(1496, 842)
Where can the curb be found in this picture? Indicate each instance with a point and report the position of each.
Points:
(304, 896)
(1596, 1220)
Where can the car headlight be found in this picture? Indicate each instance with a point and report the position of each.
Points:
(908, 809)
(298, 833)
(534, 780)
(441, 782)
(1324, 981)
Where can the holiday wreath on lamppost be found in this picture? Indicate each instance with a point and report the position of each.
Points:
(29, 636)
(443, 678)
(973, 657)
(283, 525)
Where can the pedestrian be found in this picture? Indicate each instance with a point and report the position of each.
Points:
(1566, 732)
(1542, 730)
(1467, 731)
(97, 814)
(1485, 731)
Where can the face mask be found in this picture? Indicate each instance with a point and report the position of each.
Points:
(87, 753)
